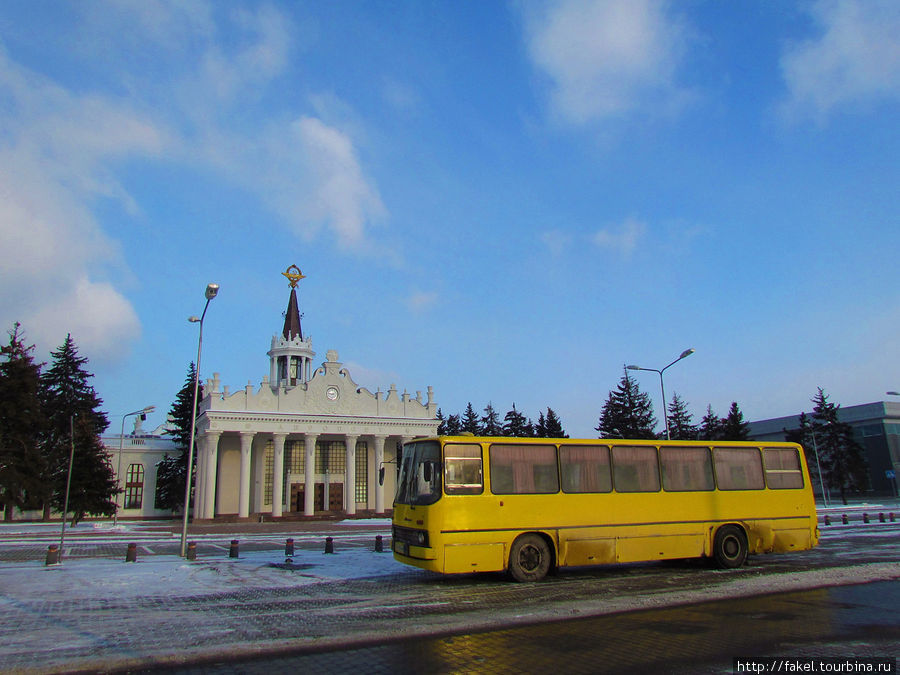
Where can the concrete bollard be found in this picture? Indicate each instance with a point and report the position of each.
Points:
(233, 551)
(52, 555)
(379, 544)
(844, 519)
(827, 519)
(131, 553)
(891, 516)
(289, 547)
(329, 545)
(881, 517)
(191, 553)
(865, 517)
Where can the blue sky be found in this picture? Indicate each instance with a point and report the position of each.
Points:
(505, 201)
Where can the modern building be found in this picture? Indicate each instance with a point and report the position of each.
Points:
(307, 440)
(876, 427)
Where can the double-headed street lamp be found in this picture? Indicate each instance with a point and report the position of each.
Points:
(143, 413)
(684, 355)
(211, 292)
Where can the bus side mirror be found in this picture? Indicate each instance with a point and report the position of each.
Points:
(381, 475)
(426, 472)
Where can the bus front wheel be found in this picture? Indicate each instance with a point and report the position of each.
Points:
(529, 558)
(730, 546)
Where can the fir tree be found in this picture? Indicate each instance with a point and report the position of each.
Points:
(540, 429)
(627, 413)
(733, 427)
(681, 422)
(552, 426)
(68, 398)
(452, 425)
(442, 423)
(710, 426)
(172, 471)
(515, 424)
(804, 435)
(21, 423)
(490, 422)
(470, 422)
(842, 458)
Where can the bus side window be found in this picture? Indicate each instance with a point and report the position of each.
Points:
(523, 469)
(585, 468)
(738, 468)
(782, 468)
(463, 469)
(635, 469)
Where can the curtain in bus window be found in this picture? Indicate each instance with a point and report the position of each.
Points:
(782, 468)
(685, 469)
(585, 468)
(523, 469)
(738, 469)
(635, 469)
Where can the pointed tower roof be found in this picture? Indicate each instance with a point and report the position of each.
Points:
(292, 318)
(292, 315)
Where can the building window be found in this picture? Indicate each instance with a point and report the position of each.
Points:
(134, 486)
(330, 457)
(294, 457)
(362, 472)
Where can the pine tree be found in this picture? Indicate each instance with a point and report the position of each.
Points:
(552, 425)
(21, 422)
(490, 422)
(710, 426)
(442, 423)
(540, 429)
(69, 399)
(515, 424)
(627, 413)
(681, 422)
(733, 427)
(172, 471)
(452, 425)
(470, 422)
(843, 462)
(804, 435)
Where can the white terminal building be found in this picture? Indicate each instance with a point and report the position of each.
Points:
(308, 440)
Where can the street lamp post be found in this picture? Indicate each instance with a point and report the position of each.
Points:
(211, 291)
(684, 355)
(143, 413)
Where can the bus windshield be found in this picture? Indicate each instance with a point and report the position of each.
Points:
(420, 474)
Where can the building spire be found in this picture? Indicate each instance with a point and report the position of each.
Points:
(292, 315)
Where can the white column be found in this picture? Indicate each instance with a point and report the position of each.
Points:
(244, 488)
(278, 475)
(379, 462)
(199, 478)
(350, 474)
(211, 465)
(309, 478)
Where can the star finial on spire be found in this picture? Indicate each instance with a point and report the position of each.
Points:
(295, 276)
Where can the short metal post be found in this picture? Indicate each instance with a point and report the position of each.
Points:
(233, 551)
(329, 545)
(131, 553)
(191, 551)
(865, 517)
(881, 517)
(52, 555)
(891, 516)
(379, 544)
(289, 547)
(827, 519)
(844, 519)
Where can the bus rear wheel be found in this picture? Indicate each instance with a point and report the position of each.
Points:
(529, 558)
(730, 547)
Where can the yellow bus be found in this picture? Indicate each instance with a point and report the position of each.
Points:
(529, 505)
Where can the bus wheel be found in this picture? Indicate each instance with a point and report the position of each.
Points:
(730, 546)
(529, 558)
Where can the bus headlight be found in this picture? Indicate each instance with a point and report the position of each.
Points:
(420, 538)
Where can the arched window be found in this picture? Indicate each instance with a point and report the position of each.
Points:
(134, 486)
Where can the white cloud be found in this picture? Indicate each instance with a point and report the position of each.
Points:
(556, 241)
(855, 59)
(421, 301)
(622, 238)
(54, 156)
(606, 58)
